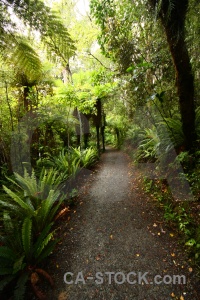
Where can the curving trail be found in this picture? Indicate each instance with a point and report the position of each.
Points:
(118, 229)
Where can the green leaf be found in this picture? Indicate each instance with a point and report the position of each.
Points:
(7, 253)
(17, 199)
(190, 243)
(5, 281)
(19, 265)
(26, 236)
(20, 288)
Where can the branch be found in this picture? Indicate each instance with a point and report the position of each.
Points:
(98, 60)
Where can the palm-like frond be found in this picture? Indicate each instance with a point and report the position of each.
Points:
(26, 62)
(37, 199)
(53, 33)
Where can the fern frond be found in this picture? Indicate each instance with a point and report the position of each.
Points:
(27, 236)
(41, 237)
(19, 264)
(20, 288)
(43, 244)
(26, 61)
(53, 33)
(6, 271)
(17, 199)
(5, 281)
(6, 252)
(47, 250)
(47, 205)
(8, 224)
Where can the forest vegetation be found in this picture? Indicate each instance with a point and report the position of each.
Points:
(120, 73)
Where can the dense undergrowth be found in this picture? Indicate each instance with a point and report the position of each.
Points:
(29, 209)
(170, 163)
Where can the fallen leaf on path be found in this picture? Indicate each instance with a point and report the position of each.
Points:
(173, 295)
(111, 237)
(190, 269)
(174, 263)
(62, 296)
(163, 231)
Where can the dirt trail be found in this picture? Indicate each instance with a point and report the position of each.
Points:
(117, 229)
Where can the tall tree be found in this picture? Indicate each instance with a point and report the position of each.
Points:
(173, 15)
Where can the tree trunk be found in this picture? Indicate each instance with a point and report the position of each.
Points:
(103, 137)
(184, 83)
(26, 100)
(98, 139)
(173, 21)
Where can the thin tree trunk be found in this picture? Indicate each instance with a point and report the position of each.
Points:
(98, 139)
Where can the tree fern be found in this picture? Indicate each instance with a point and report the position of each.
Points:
(26, 61)
(53, 33)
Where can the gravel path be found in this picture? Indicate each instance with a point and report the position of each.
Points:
(116, 228)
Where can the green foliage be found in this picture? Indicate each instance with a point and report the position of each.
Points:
(70, 161)
(87, 157)
(53, 33)
(149, 146)
(38, 199)
(27, 216)
(26, 60)
(21, 250)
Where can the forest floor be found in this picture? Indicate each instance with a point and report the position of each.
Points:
(115, 227)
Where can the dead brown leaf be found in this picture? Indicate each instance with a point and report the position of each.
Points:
(62, 296)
